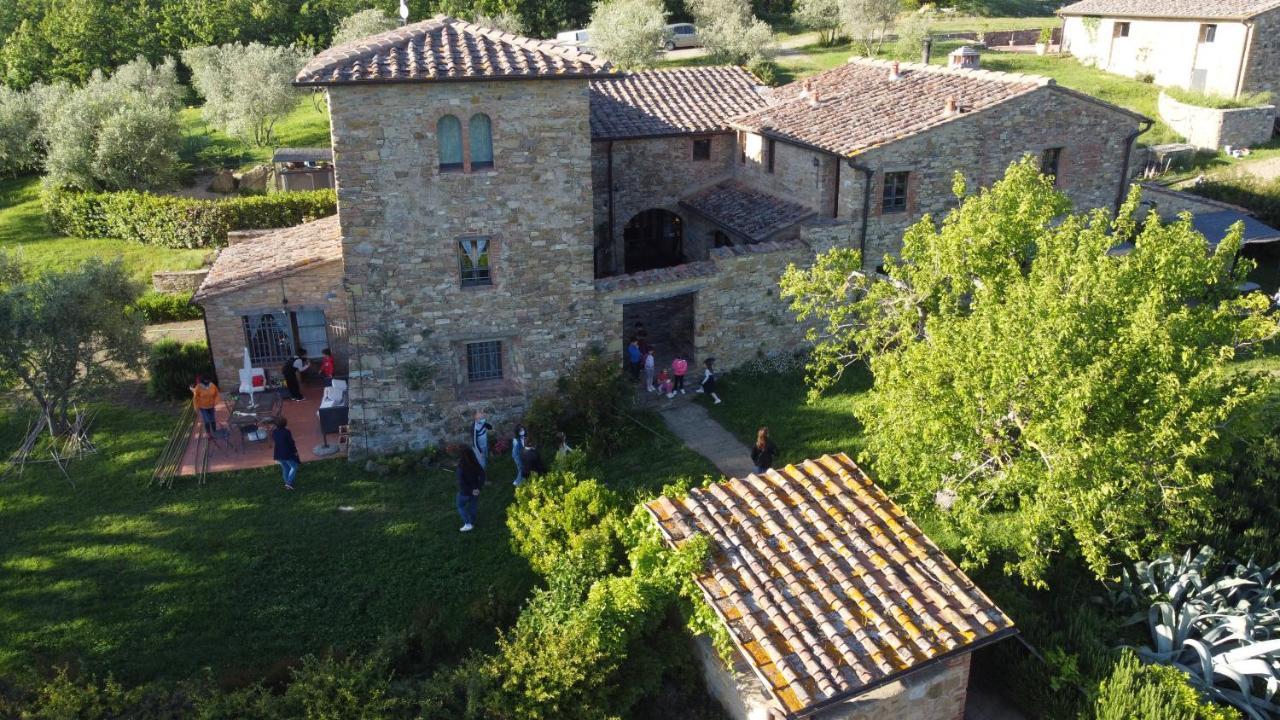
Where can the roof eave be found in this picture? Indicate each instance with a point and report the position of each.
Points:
(662, 135)
(429, 81)
(1062, 12)
(201, 295)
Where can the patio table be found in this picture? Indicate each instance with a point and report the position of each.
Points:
(268, 407)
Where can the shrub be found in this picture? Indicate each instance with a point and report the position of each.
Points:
(1261, 197)
(1136, 691)
(332, 689)
(173, 366)
(1219, 102)
(767, 71)
(589, 405)
(175, 221)
(559, 519)
(158, 307)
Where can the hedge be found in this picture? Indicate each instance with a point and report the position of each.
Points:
(172, 368)
(158, 307)
(1258, 196)
(178, 222)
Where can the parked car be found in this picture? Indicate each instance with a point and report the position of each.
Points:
(572, 38)
(681, 35)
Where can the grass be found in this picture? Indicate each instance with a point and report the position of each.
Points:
(149, 583)
(22, 229)
(204, 146)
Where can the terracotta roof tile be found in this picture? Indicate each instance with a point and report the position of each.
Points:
(671, 102)
(746, 211)
(444, 49)
(272, 256)
(857, 106)
(860, 597)
(1225, 9)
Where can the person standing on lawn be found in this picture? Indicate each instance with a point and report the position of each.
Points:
(470, 479)
(649, 362)
(518, 445)
(205, 397)
(286, 452)
(480, 430)
(763, 452)
(709, 379)
(292, 372)
(634, 357)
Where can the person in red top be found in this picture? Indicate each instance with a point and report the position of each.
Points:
(326, 365)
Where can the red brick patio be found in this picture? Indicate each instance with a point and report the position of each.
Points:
(228, 454)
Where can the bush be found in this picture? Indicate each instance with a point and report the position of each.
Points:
(589, 405)
(1261, 197)
(767, 71)
(173, 366)
(560, 520)
(158, 307)
(175, 221)
(1136, 691)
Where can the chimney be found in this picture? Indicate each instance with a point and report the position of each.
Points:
(894, 74)
(928, 50)
(952, 107)
(964, 58)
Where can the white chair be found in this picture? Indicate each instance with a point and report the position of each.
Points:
(253, 381)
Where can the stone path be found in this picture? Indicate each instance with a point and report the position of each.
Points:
(693, 425)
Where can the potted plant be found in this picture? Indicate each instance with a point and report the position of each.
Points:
(1043, 41)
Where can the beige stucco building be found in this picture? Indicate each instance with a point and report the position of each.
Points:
(504, 205)
(1221, 47)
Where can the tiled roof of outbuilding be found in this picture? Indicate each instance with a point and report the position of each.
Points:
(857, 106)
(671, 102)
(273, 256)
(1207, 9)
(825, 585)
(745, 210)
(444, 49)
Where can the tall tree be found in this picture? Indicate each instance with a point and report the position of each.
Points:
(246, 88)
(729, 31)
(66, 334)
(869, 22)
(1059, 398)
(629, 32)
(822, 16)
(363, 24)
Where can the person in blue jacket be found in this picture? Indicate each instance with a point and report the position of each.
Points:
(286, 452)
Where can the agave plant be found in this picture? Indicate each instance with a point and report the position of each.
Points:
(1217, 621)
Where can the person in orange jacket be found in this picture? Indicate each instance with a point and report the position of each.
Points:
(205, 396)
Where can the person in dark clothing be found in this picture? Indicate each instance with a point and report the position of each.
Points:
(286, 452)
(292, 372)
(470, 479)
(763, 452)
(633, 358)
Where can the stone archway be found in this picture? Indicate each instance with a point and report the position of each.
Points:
(653, 239)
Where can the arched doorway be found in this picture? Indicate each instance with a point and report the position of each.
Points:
(653, 239)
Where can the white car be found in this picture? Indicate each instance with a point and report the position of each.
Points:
(681, 35)
(572, 38)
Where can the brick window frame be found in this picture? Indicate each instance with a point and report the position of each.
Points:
(464, 121)
(465, 350)
(895, 192)
(475, 278)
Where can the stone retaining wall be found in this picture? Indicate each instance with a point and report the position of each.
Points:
(178, 281)
(1211, 128)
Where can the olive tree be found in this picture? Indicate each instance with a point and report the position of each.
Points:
(729, 31)
(1057, 396)
(630, 33)
(869, 22)
(820, 15)
(246, 88)
(361, 25)
(65, 334)
(19, 123)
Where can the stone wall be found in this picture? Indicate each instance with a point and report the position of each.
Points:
(401, 220)
(1212, 128)
(981, 146)
(799, 174)
(1169, 204)
(935, 692)
(178, 281)
(307, 289)
(1262, 71)
(652, 173)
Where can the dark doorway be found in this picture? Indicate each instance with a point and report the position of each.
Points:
(653, 239)
(668, 323)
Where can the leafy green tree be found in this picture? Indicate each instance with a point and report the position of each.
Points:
(822, 16)
(629, 33)
(561, 519)
(19, 132)
(246, 88)
(869, 22)
(25, 56)
(361, 25)
(66, 334)
(1057, 397)
(729, 31)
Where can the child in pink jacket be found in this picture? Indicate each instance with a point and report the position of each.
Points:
(679, 367)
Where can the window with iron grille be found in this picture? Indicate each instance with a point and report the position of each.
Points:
(1049, 162)
(702, 149)
(895, 192)
(484, 361)
(473, 261)
(269, 337)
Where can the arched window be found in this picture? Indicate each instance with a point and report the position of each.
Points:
(481, 141)
(449, 139)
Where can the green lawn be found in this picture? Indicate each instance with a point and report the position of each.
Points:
(242, 577)
(22, 229)
(306, 126)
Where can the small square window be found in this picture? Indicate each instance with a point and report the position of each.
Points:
(473, 261)
(484, 361)
(1049, 162)
(895, 192)
(772, 149)
(702, 149)
(1122, 29)
(1208, 33)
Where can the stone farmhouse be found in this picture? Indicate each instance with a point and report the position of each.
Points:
(506, 204)
(1221, 47)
